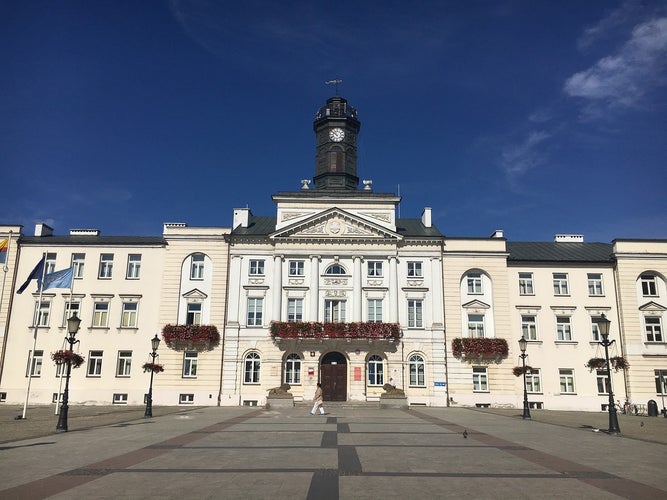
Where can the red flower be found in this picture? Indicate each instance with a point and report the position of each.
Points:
(480, 348)
(197, 336)
(63, 356)
(316, 330)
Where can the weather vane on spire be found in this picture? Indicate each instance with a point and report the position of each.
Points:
(334, 82)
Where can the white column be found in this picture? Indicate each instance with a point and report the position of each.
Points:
(436, 295)
(277, 287)
(234, 289)
(393, 289)
(356, 289)
(314, 288)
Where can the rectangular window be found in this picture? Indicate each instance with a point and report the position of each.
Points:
(193, 315)
(294, 309)
(197, 266)
(374, 269)
(106, 266)
(563, 328)
(77, 265)
(186, 399)
(296, 268)
(124, 364)
(334, 311)
(133, 266)
(42, 313)
(101, 314)
(375, 310)
(476, 325)
(534, 381)
(660, 381)
(560, 284)
(649, 285)
(595, 284)
(95, 363)
(189, 364)
(566, 376)
(603, 387)
(595, 330)
(256, 267)
(528, 327)
(480, 379)
(71, 308)
(119, 399)
(414, 269)
(526, 284)
(34, 368)
(653, 329)
(415, 313)
(474, 281)
(129, 315)
(255, 311)
(50, 263)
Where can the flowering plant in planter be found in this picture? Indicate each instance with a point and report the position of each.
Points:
(63, 356)
(474, 348)
(520, 370)
(596, 363)
(619, 363)
(316, 330)
(153, 367)
(191, 336)
(615, 362)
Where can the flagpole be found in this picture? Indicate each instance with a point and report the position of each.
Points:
(34, 337)
(62, 371)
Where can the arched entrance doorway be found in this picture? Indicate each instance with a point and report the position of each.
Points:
(333, 370)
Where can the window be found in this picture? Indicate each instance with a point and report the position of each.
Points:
(95, 363)
(603, 386)
(653, 329)
(414, 269)
(193, 314)
(42, 313)
(528, 327)
(375, 310)
(129, 316)
(534, 381)
(251, 370)
(415, 313)
(50, 263)
(35, 364)
(296, 268)
(119, 399)
(595, 284)
(335, 269)
(417, 370)
(649, 285)
(71, 308)
(294, 309)
(476, 325)
(293, 369)
(197, 266)
(526, 284)
(190, 364)
(124, 364)
(660, 381)
(566, 376)
(101, 314)
(480, 379)
(563, 328)
(375, 370)
(186, 399)
(133, 266)
(595, 331)
(560, 284)
(256, 267)
(106, 266)
(474, 281)
(334, 311)
(77, 264)
(374, 269)
(255, 307)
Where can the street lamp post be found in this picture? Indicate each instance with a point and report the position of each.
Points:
(523, 343)
(603, 326)
(662, 393)
(155, 343)
(72, 327)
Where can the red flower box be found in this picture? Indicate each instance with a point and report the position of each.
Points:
(316, 330)
(191, 336)
(480, 348)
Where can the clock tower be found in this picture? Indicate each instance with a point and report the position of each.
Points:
(336, 128)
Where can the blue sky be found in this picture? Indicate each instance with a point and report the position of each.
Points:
(536, 117)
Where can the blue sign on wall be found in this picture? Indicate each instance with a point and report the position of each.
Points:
(440, 384)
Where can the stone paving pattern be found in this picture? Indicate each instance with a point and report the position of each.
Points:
(353, 452)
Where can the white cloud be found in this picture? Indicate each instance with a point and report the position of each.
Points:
(519, 158)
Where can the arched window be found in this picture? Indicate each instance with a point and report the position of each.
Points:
(293, 369)
(375, 370)
(335, 269)
(417, 370)
(252, 363)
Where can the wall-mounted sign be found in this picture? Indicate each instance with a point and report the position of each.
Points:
(357, 373)
(440, 384)
(311, 372)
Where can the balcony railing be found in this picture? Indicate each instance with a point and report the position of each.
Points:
(316, 330)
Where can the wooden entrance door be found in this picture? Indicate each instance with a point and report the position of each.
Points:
(333, 373)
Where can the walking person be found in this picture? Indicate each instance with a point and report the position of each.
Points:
(318, 401)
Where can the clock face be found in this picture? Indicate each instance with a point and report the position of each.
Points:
(336, 134)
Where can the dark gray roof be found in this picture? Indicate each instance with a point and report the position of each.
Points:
(415, 228)
(79, 239)
(559, 252)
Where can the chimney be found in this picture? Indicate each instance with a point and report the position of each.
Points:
(498, 233)
(42, 229)
(426, 217)
(569, 238)
(241, 217)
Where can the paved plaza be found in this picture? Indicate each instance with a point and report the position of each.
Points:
(354, 452)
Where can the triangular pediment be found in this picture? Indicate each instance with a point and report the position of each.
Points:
(195, 293)
(335, 223)
(652, 306)
(476, 304)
